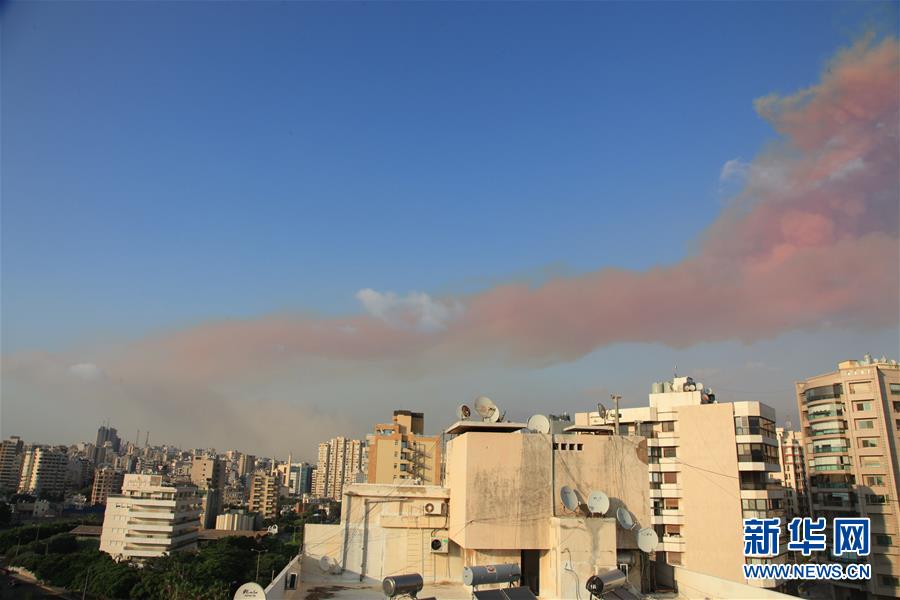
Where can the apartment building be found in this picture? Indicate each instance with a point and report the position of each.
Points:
(711, 466)
(793, 472)
(263, 499)
(246, 464)
(150, 518)
(43, 471)
(399, 452)
(296, 478)
(11, 453)
(851, 419)
(107, 481)
(339, 462)
(208, 472)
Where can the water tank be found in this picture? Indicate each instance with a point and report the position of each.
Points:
(605, 582)
(482, 575)
(396, 585)
(656, 388)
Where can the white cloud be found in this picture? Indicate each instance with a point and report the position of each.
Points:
(416, 310)
(86, 371)
(734, 170)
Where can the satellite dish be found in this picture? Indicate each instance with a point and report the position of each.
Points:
(250, 590)
(539, 424)
(326, 563)
(647, 540)
(601, 411)
(624, 518)
(598, 503)
(568, 497)
(463, 412)
(496, 416)
(485, 407)
(273, 529)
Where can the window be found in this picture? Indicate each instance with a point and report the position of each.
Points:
(863, 406)
(876, 499)
(757, 453)
(668, 425)
(883, 540)
(823, 392)
(669, 452)
(896, 406)
(670, 477)
(865, 423)
(888, 580)
(874, 480)
(895, 388)
(754, 426)
(674, 558)
(868, 442)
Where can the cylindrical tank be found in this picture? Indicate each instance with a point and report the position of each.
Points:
(604, 582)
(656, 388)
(492, 574)
(402, 584)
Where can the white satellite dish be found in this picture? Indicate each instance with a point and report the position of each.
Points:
(485, 407)
(623, 516)
(463, 412)
(272, 529)
(326, 563)
(598, 503)
(539, 424)
(568, 497)
(250, 591)
(647, 540)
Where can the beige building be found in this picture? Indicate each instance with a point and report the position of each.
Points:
(208, 472)
(500, 504)
(339, 463)
(43, 472)
(11, 463)
(235, 521)
(399, 452)
(711, 466)
(264, 489)
(107, 481)
(246, 464)
(793, 472)
(150, 518)
(851, 418)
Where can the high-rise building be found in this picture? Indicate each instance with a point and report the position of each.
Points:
(107, 481)
(108, 444)
(339, 462)
(208, 472)
(851, 419)
(710, 468)
(150, 518)
(246, 464)
(11, 453)
(210, 506)
(793, 472)
(264, 488)
(296, 478)
(43, 472)
(398, 452)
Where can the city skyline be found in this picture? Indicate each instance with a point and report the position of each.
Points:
(413, 227)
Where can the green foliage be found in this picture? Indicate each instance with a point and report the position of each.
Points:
(5, 514)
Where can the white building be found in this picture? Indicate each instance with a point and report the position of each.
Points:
(43, 472)
(235, 521)
(150, 518)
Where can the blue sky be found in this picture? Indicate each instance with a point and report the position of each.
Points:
(169, 163)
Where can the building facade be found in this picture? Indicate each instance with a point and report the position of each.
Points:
(339, 462)
(793, 472)
(43, 472)
(150, 518)
(107, 481)
(208, 472)
(235, 521)
(11, 454)
(711, 466)
(399, 452)
(263, 499)
(851, 419)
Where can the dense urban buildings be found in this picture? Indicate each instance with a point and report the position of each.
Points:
(339, 463)
(851, 418)
(208, 472)
(710, 468)
(399, 452)
(150, 518)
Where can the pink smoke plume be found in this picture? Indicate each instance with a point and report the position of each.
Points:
(812, 240)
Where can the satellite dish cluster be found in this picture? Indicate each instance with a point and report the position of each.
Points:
(484, 406)
(598, 505)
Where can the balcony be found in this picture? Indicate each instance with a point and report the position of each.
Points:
(824, 392)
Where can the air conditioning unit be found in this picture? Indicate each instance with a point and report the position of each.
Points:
(440, 545)
(435, 508)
